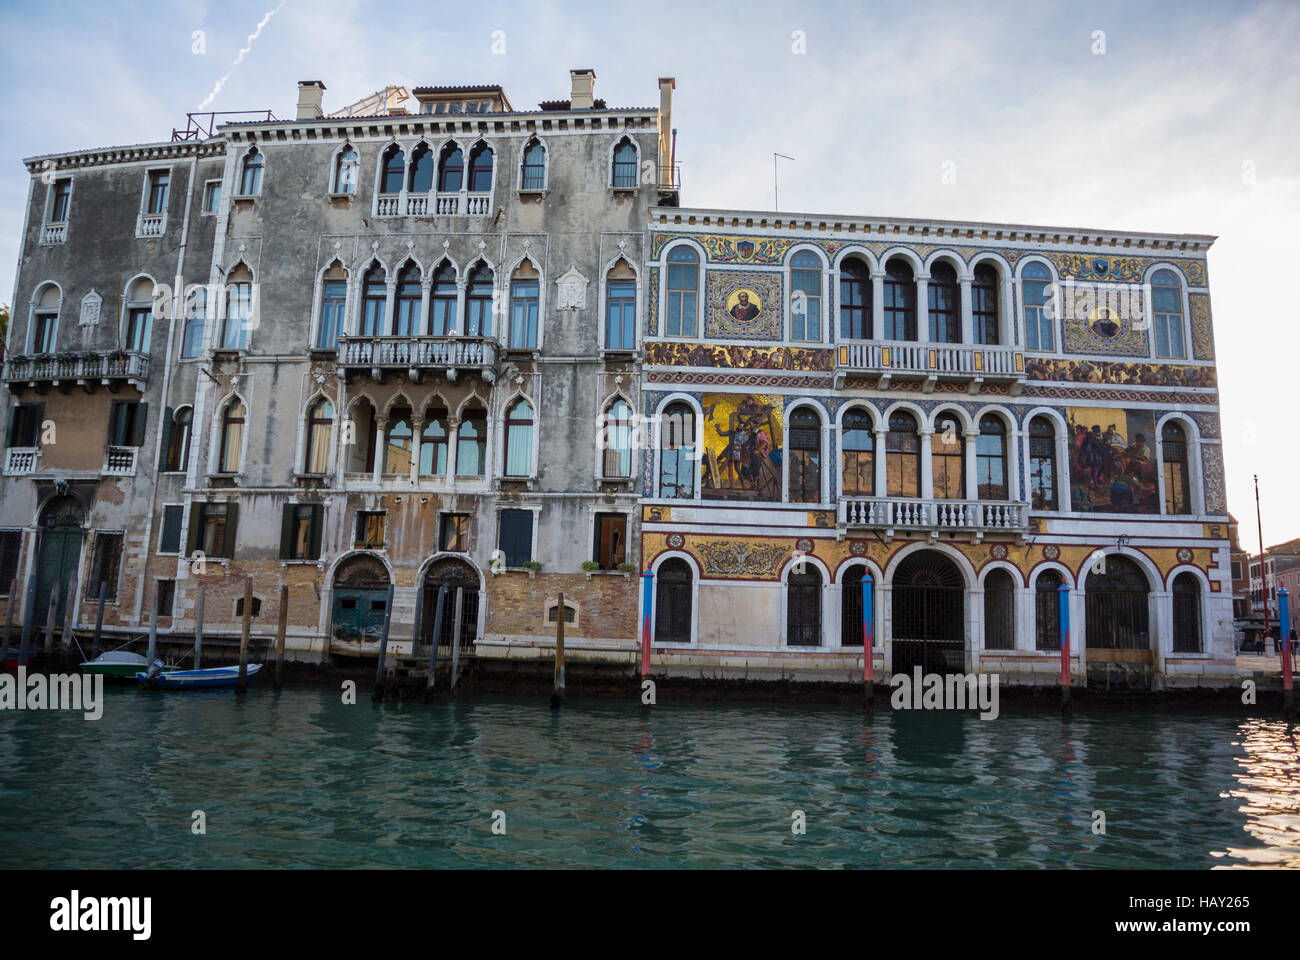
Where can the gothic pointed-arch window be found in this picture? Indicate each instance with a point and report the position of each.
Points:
(620, 307)
(948, 458)
(900, 300)
(674, 589)
(999, 611)
(442, 309)
(1173, 450)
(398, 443)
(1042, 465)
(250, 179)
(857, 453)
(1167, 309)
(617, 440)
(471, 443)
(805, 456)
(805, 296)
(333, 304)
(984, 304)
(393, 170)
(433, 443)
(1036, 282)
(478, 302)
(991, 459)
(345, 171)
(524, 291)
(177, 454)
(519, 439)
(624, 169)
(855, 300)
(239, 309)
(677, 463)
(945, 310)
(232, 436)
(45, 319)
(407, 305)
(903, 456)
(683, 291)
(320, 420)
(534, 167)
(374, 301)
(1187, 614)
(480, 169)
(421, 179)
(1047, 611)
(138, 327)
(451, 169)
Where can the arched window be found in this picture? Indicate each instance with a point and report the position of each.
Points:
(1173, 444)
(433, 443)
(374, 301)
(805, 296)
(1042, 465)
(900, 300)
(250, 179)
(333, 303)
(1167, 307)
(1187, 614)
(421, 180)
(999, 611)
(196, 321)
(451, 169)
(523, 308)
(232, 437)
(394, 170)
(45, 319)
(519, 439)
(471, 443)
(442, 317)
(478, 303)
(624, 172)
(1047, 611)
(903, 456)
(673, 601)
(851, 606)
(480, 169)
(945, 316)
(857, 453)
(855, 300)
(1036, 282)
(984, 304)
(620, 307)
(398, 443)
(345, 171)
(407, 312)
(991, 459)
(677, 463)
(534, 167)
(805, 456)
(320, 420)
(803, 607)
(239, 309)
(682, 306)
(1117, 613)
(948, 458)
(178, 440)
(137, 331)
(617, 438)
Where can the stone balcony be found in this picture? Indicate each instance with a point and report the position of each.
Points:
(898, 514)
(452, 204)
(418, 355)
(21, 461)
(930, 363)
(120, 461)
(88, 370)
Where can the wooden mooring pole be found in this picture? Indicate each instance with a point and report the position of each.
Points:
(241, 685)
(29, 614)
(99, 616)
(868, 644)
(437, 637)
(647, 598)
(70, 616)
(557, 695)
(9, 614)
(198, 626)
(153, 624)
(1284, 634)
(281, 628)
(455, 638)
(1063, 602)
(51, 617)
(377, 691)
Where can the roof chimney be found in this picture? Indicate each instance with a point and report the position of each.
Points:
(310, 95)
(582, 95)
(666, 87)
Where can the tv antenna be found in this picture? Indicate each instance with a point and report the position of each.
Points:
(775, 193)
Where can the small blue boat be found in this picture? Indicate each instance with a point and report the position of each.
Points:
(205, 679)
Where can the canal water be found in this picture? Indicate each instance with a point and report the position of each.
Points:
(300, 779)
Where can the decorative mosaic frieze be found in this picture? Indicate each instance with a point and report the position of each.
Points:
(1126, 374)
(675, 354)
(1216, 499)
(652, 305)
(743, 305)
(1208, 424)
(1106, 397)
(741, 558)
(1202, 332)
(1083, 266)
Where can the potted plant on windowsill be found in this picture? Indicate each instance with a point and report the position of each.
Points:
(590, 567)
(627, 569)
(532, 566)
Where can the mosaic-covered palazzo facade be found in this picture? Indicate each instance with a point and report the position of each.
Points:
(972, 414)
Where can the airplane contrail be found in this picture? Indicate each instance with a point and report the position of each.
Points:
(239, 57)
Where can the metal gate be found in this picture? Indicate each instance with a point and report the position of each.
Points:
(454, 573)
(673, 590)
(929, 626)
(851, 606)
(803, 621)
(1117, 614)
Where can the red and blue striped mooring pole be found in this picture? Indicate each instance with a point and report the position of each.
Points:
(1063, 603)
(868, 644)
(647, 597)
(1284, 632)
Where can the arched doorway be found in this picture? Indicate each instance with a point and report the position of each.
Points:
(1117, 614)
(851, 605)
(360, 600)
(673, 589)
(929, 624)
(803, 607)
(59, 553)
(454, 573)
(1187, 614)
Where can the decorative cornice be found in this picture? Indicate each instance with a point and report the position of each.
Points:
(104, 156)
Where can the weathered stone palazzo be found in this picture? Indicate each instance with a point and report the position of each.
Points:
(459, 343)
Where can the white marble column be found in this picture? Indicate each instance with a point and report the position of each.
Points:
(923, 307)
(967, 311)
(877, 331)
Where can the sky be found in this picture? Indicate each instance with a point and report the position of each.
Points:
(1166, 117)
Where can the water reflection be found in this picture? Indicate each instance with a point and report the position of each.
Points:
(1268, 792)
